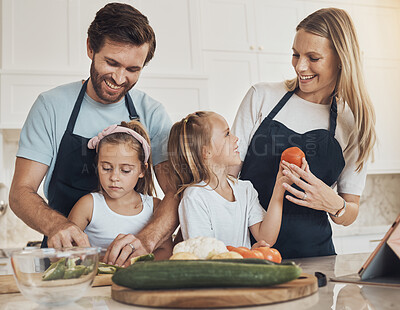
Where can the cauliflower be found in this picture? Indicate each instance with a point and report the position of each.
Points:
(202, 247)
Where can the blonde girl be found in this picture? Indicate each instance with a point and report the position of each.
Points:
(124, 203)
(326, 111)
(201, 150)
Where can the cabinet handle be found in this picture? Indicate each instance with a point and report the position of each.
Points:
(260, 48)
(3, 207)
(252, 47)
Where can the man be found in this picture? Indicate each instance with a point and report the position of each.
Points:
(54, 138)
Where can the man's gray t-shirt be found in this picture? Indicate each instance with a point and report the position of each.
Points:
(48, 118)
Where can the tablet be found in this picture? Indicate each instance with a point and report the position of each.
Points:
(383, 265)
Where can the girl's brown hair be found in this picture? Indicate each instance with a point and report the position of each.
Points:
(186, 143)
(144, 185)
(336, 25)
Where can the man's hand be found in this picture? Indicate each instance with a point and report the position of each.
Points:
(122, 249)
(67, 236)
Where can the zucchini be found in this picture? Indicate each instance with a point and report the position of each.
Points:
(142, 258)
(178, 274)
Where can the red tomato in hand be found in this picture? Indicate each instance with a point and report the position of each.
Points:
(270, 254)
(293, 155)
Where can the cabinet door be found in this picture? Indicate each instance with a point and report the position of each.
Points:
(382, 79)
(230, 76)
(276, 23)
(228, 25)
(180, 96)
(379, 34)
(275, 68)
(36, 35)
(18, 93)
(177, 33)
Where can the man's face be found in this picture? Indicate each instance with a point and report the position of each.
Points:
(115, 70)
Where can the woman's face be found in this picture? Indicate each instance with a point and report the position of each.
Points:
(316, 65)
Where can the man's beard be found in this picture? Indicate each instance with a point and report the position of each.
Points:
(97, 80)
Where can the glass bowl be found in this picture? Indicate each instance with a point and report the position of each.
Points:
(55, 276)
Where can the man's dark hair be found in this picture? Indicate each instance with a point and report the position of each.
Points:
(124, 24)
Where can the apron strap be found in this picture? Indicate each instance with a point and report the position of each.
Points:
(333, 117)
(77, 107)
(74, 115)
(131, 107)
(280, 105)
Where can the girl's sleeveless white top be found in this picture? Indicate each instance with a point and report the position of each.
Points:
(106, 224)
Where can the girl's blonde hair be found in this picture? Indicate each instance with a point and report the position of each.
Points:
(186, 144)
(144, 185)
(337, 26)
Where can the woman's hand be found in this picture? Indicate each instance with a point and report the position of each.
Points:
(317, 195)
(282, 179)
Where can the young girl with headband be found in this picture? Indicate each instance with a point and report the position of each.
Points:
(124, 203)
(201, 150)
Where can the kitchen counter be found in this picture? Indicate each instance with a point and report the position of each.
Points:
(333, 296)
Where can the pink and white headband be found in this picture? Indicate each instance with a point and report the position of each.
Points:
(94, 142)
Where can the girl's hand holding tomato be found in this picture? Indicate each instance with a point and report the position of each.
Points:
(293, 155)
(259, 244)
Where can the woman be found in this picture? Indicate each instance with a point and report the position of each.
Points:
(326, 112)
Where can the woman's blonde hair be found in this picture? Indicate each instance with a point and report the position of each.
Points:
(186, 143)
(144, 185)
(337, 26)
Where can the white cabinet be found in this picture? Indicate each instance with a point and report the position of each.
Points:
(42, 48)
(249, 25)
(230, 75)
(245, 42)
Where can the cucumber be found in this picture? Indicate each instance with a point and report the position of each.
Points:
(177, 274)
(74, 272)
(253, 261)
(104, 268)
(142, 258)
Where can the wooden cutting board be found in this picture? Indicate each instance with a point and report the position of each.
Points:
(8, 284)
(217, 297)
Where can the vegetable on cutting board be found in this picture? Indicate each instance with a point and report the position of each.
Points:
(179, 274)
(201, 247)
(261, 252)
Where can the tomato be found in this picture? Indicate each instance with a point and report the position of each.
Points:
(270, 254)
(245, 252)
(293, 155)
(258, 254)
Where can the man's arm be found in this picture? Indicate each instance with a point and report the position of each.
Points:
(35, 212)
(165, 220)
(159, 229)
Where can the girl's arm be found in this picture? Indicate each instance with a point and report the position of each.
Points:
(269, 228)
(81, 213)
(164, 251)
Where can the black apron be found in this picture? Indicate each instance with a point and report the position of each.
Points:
(304, 231)
(74, 173)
